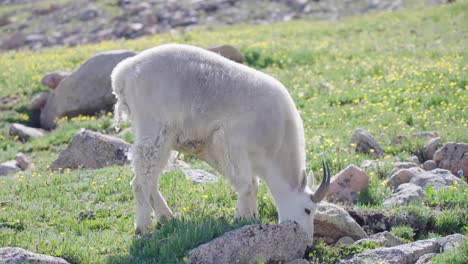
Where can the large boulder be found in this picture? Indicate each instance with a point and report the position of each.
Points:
(92, 150)
(16, 255)
(364, 142)
(86, 91)
(406, 253)
(24, 132)
(453, 157)
(333, 222)
(254, 244)
(346, 184)
(437, 179)
(404, 194)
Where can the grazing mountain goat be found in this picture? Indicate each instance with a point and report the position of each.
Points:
(240, 121)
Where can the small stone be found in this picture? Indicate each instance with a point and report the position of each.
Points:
(426, 134)
(8, 167)
(53, 79)
(429, 165)
(404, 194)
(15, 41)
(384, 239)
(366, 143)
(200, 176)
(426, 258)
(23, 161)
(403, 165)
(430, 148)
(24, 132)
(344, 241)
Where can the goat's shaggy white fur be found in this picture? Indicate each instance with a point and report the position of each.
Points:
(240, 121)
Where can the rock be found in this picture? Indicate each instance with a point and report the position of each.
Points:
(15, 41)
(45, 11)
(453, 157)
(200, 176)
(344, 241)
(16, 255)
(8, 167)
(384, 239)
(4, 20)
(24, 132)
(404, 194)
(437, 179)
(414, 159)
(429, 165)
(397, 140)
(403, 176)
(404, 254)
(425, 259)
(38, 101)
(334, 222)
(403, 165)
(23, 161)
(86, 91)
(92, 150)
(88, 14)
(298, 261)
(366, 143)
(430, 148)
(426, 134)
(52, 79)
(253, 244)
(345, 185)
(372, 164)
(228, 51)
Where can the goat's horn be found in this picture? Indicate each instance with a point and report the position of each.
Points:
(323, 188)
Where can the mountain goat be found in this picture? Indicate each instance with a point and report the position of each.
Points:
(240, 121)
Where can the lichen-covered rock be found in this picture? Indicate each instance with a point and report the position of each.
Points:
(429, 165)
(16, 255)
(437, 179)
(366, 143)
(86, 91)
(403, 165)
(404, 194)
(92, 150)
(430, 148)
(254, 243)
(403, 176)
(344, 241)
(334, 222)
(346, 184)
(384, 239)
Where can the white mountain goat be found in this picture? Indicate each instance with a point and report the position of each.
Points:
(240, 121)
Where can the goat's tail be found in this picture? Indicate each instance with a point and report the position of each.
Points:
(121, 109)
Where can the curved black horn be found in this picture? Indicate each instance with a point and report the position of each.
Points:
(323, 188)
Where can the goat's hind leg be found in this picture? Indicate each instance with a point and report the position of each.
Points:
(150, 154)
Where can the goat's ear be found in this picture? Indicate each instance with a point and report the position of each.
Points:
(304, 181)
(310, 179)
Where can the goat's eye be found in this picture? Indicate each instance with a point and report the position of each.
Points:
(307, 211)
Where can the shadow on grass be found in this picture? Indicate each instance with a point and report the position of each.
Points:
(171, 242)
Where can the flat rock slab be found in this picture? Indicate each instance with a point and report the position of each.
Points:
(92, 150)
(16, 255)
(406, 253)
(24, 132)
(254, 243)
(200, 176)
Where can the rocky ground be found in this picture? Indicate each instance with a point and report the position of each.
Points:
(26, 24)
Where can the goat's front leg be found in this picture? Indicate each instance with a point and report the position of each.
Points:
(149, 158)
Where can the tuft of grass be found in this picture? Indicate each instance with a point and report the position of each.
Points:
(454, 256)
(452, 221)
(403, 232)
(319, 252)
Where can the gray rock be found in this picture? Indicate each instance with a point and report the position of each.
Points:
(15, 41)
(8, 167)
(298, 261)
(438, 179)
(403, 165)
(403, 176)
(24, 133)
(228, 51)
(200, 176)
(92, 150)
(453, 157)
(429, 165)
(38, 101)
(23, 161)
(345, 185)
(88, 14)
(426, 134)
(254, 243)
(366, 143)
(384, 239)
(425, 259)
(4, 20)
(344, 241)
(406, 253)
(52, 79)
(86, 91)
(16, 255)
(404, 194)
(430, 148)
(334, 222)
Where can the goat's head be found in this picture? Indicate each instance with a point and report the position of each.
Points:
(303, 206)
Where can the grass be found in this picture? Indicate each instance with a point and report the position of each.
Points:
(391, 74)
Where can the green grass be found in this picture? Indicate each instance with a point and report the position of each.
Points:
(391, 74)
